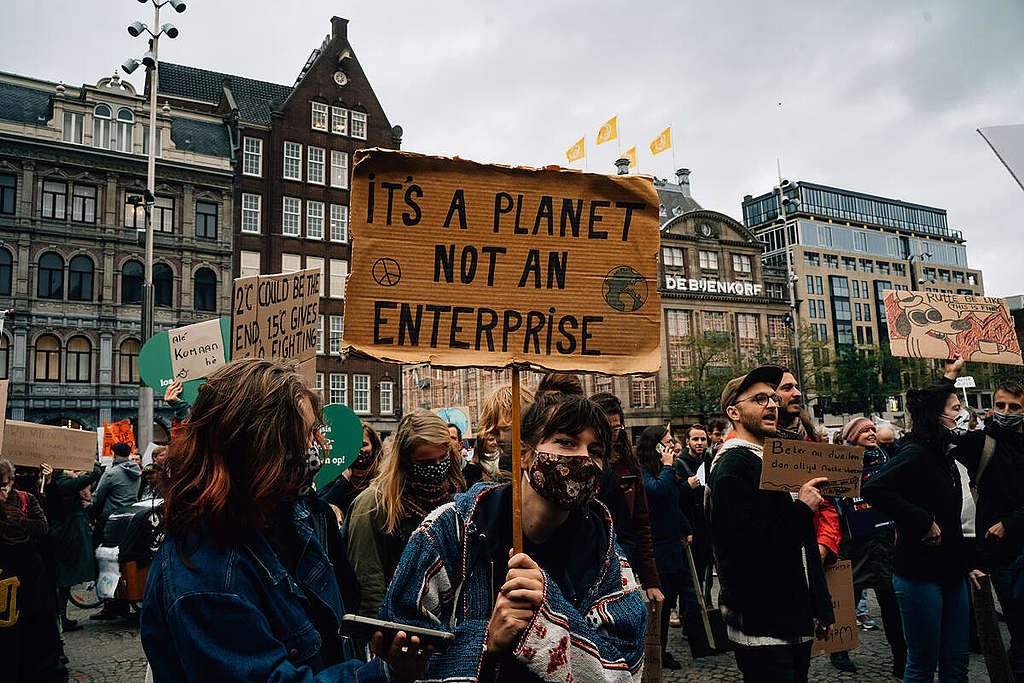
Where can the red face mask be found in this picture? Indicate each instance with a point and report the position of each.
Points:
(568, 481)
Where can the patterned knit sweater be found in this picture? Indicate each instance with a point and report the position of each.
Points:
(444, 582)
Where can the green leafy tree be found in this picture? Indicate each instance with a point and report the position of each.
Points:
(711, 363)
(865, 377)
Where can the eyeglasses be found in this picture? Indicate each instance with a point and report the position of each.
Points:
(762, 399)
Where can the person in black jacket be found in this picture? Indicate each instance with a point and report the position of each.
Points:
(920, 490)
(1000, 487)
(773, 598)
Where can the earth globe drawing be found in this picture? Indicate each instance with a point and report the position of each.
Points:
(625, 289)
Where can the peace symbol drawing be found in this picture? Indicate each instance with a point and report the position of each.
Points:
(387, 272)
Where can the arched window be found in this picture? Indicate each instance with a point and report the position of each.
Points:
(163, 285)
(123, 130)
(79, 360)
(80, 278)
(5, 350)
(5, 272)
(129, 366)
(205, 290)
(47, 359)
(131, 283)
(51, 276)
(101, 126)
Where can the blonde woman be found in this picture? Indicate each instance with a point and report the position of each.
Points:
(419, 473)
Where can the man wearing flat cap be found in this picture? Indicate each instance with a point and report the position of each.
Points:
(774, 597)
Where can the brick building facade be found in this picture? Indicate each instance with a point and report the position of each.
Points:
(292, 149)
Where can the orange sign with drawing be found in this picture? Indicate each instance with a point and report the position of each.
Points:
(936, 325)
(114, 432)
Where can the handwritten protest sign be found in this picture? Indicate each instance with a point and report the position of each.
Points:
(844, 636)
(936, 325)
(277, 316)
(464, 264)
(31, 444)
(196, 350)
(787, 465)
(114, 432)
(343, 433)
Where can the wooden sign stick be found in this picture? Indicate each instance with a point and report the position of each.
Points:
(517, 472)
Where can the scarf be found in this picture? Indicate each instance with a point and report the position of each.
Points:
(421, 499)
(489, 463)
(795, 432)
(363, 470)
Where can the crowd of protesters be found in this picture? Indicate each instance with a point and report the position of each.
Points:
(256, 568)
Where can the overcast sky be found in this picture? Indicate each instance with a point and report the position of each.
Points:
(877, 96)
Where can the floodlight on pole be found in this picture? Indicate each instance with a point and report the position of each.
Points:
(130, 65)
(136, 28)
(169, 30)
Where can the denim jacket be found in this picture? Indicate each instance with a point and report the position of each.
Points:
(234, 613)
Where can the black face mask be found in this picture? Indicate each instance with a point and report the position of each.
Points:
(314, 461)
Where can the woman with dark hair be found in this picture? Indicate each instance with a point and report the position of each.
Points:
(920, 490)
(670, 530)
(567, 607)
(242, 587)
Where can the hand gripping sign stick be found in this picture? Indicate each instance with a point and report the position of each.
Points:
(517, 474)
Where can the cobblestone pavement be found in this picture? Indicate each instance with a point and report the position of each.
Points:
(111, 651)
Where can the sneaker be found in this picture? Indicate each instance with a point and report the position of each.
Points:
(842, 661)
(69, 625)
(673, 619)
(867, 623)
(669, 662)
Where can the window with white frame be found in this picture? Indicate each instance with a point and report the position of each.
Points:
(339, 120)
(339, 269)
(339, 388)
(319, 387)
(673, 256)
(359, 125)
(337, 328)
(339, 169)
(741, 263)
(123, 129)
(318, 263)
(73, 126)
(292, 161)
(320, 334)
(339, 223)
(251, 210)
(252, 157)
(159, 141)
(248, 263)
(361, 393)
(291, 262)
(643, 392)
(315, 165)
(101, 116)
(387, 403)
(314, 220)
(292, 218)
(318, 116)
(708, 260)
(163, 214)
(678, 322)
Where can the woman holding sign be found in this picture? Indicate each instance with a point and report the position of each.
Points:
(567, 607)
(242, 587)
(920, 490)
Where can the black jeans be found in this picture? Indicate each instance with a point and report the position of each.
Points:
(774, 663)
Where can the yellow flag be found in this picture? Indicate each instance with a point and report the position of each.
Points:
(608, 131)
(662, 142)
(575, 153)
(631, 155)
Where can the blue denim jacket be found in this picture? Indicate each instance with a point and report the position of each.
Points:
(237, 614)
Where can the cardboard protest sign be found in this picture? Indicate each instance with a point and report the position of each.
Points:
(277, 316)
(788, 465)
(157, 371)
(344, 434)
(936, 325)
(114, 432)
(196, 350)
(458, 263)
(844, 636)
(3, 408)
(31, 444)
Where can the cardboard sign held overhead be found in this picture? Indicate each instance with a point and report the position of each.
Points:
(117, 432)
(935, 325)
(788, 465)
(844, 633)
(277, 316)
(458, 263)
(31, 444)
(196, 350)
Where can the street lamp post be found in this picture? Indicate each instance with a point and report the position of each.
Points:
(149, 60)
(791, 279)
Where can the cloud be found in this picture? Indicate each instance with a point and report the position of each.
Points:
(875, 96)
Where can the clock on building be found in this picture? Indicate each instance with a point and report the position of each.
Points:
(340, 78)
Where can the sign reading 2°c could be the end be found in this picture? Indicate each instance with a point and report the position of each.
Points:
(464, 264)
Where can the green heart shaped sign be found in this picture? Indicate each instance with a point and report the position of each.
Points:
(344, 431)
(155, 363)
